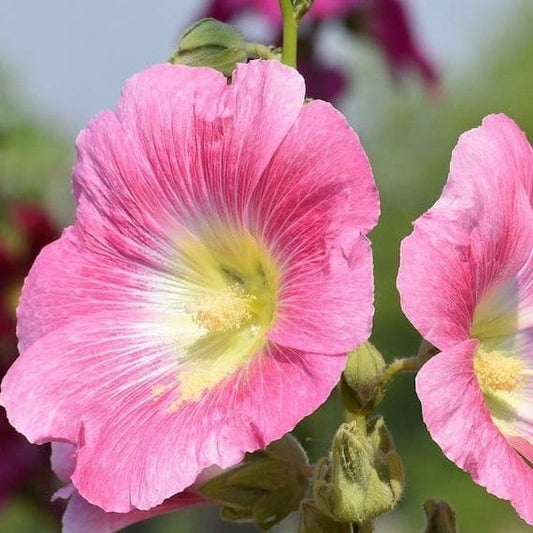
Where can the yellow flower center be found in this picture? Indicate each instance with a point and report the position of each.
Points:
(228, 309)
(498, 371)
(227, 291)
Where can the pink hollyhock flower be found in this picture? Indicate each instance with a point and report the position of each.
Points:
(204, 300)
(82, 517)
(466, 283)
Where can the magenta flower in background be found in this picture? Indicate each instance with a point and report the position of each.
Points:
(466, 283)
(225, 10)
(321, 9)
(204, 300)
(322, 82)
(385, 22)
(388, 24)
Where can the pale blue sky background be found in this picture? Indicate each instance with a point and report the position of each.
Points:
(69, 58)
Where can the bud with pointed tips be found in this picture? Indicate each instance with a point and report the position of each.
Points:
(363, 477)
(266, 487)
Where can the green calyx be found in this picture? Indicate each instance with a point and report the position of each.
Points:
(363, 476)
(214, 44)
(266, 487)
(210, 43)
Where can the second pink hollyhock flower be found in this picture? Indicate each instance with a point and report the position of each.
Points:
(206, 296)
(466, 282)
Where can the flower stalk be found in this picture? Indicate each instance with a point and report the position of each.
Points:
(398, 366)
(290, 33)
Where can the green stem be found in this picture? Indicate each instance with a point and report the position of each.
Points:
(290, 33)
(407, 364)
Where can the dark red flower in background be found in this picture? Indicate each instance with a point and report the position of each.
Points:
(387, 23)
(24, 230)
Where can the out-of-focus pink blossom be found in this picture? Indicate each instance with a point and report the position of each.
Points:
(322, 82)
(385, 22)
(206, 297)
(225, 10)
(466, 283)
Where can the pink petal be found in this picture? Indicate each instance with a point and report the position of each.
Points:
(63, 460)
(513, 141)
(98, 394)
(309, 209)
(326, 303)
(71, 277)
(459, 421)
(478, 234)
(82, 517)
(174, 155)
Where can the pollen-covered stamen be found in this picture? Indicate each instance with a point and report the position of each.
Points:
(497, 371)
(224, 310)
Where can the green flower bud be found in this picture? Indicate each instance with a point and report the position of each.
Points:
(364, 368)
(313, 520)
(360, 385)
(210, 43)
(363, 476)
(266, 487)
(440, 517)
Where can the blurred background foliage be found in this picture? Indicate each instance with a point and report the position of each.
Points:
(409, 137)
